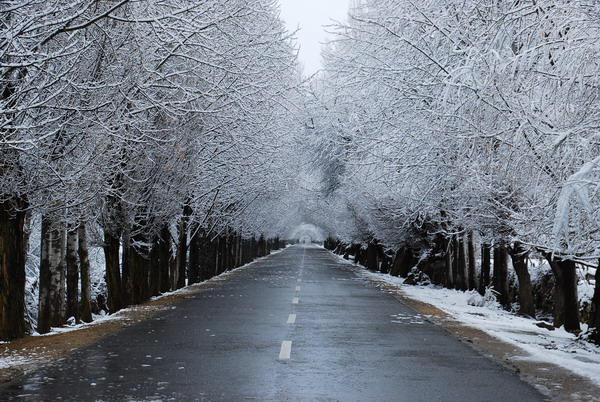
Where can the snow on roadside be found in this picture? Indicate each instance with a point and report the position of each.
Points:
(538, 344)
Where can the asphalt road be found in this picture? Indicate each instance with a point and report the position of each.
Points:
(296, 326)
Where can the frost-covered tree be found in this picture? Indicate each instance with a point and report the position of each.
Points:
(452, 117)
(152, 120)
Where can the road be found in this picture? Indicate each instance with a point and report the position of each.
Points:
(299, 325)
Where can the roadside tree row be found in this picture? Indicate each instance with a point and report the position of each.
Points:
(156, 124)
(467, 131)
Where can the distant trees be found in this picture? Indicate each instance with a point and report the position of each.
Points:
(159, 122)
(452, 122)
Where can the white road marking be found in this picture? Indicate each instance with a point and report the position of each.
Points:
(286, 350)
(291, 319)
(297, 288)
(299, 280)
(295, 300)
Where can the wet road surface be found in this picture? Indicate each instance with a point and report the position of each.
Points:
(296, 326)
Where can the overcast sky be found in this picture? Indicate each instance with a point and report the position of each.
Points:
(310, 16)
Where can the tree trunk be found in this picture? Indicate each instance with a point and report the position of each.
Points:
(138, 274)
(500, 276)
(472, 262)
(86, 285)
(112, 244)
(195, 256)
(154, 267)
(484, 278)
(449, 258)
(456, 263)
(262, 246)
(12, 268)
(164, 284)
(182, 247)
(246, 253)
(72, 276)
(52, 304)
(228, 260)
(594, 322)
(397, 263)
(407, 262)
(255, 249)
(461, 264)
(240, 242)
(526, 302)
(566, 303)
(372, 263)
(208, 260)
(221, 253)
(125, 271)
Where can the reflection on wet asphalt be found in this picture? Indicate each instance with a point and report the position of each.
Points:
(349, 341)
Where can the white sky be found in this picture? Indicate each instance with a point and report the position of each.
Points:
(310, 16)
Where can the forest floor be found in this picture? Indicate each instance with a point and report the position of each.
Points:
(555, 377)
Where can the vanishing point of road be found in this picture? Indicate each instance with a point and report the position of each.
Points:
(298, 325)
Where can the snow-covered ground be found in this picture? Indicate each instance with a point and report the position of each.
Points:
(538, 344)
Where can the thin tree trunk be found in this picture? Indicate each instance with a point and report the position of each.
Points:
(208, 261)
(126, 271)
(262, 246)
(182, 247)
(164, 284)
(253, 248)
(244, 252)
(456, 275)
(594, 321)
(86, 285)
(72, 276)
(449, 258)
(240, 242)
(472, 262)
(154, 268)
(222, 251)
(461, 266)
(228, 252)
(519, 259)
(484, 278)
(195, 257)
(112, 244)
(12, 268)
(51, 312)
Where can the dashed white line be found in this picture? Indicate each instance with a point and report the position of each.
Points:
(297, 288)
(291, 319)
(295, 300)
(286, 350)
(299, 280)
